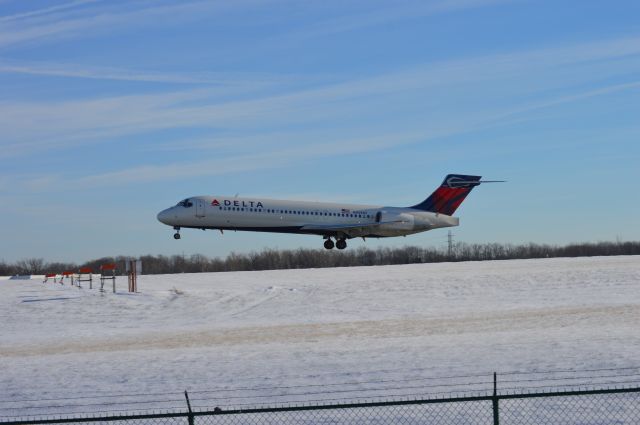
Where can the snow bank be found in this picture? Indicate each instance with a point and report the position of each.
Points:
(225, 331)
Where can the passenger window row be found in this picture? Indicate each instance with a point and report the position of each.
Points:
(292, 212)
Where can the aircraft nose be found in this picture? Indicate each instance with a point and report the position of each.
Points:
(164, 216)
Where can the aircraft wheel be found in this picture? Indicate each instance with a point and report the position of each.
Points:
(328, 244)
(341, 244)
(176, 236)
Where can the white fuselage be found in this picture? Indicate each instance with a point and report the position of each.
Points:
(326, 219)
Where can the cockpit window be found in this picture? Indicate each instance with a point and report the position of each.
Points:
(186, 203)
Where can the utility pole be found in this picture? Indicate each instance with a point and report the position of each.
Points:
(450, 243)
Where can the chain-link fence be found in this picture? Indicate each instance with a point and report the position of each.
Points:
(578, 408)
(602, 406)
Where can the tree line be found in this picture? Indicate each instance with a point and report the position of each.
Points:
(272, 259)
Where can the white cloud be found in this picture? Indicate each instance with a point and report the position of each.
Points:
(236, 82)
(82, 18)
(601, 91)
(39, 126)
(52, 24)
(242, 163)
(225, 165)
(379, 13)
(46, 10)
(312, 149)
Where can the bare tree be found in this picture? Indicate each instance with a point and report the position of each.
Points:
(271, 259)
(31, 266)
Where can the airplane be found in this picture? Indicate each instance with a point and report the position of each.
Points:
(329, 220)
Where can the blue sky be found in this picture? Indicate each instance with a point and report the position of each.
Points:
(113, 110)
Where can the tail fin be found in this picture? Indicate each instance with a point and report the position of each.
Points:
(447, 198)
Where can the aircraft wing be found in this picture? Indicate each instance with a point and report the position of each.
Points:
(353, 230)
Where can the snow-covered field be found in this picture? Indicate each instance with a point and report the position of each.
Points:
(320, 334)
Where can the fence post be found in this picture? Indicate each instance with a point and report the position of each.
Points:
(191, 419)
(496, 407)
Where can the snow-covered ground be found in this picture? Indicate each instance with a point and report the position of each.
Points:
(320, 334)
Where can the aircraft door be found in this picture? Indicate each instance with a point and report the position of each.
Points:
(200, 208)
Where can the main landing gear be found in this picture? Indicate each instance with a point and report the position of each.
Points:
(177, 234)
(340, 243)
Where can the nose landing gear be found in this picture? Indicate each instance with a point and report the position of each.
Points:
(177, 234)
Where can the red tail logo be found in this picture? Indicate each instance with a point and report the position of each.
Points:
(447, 198)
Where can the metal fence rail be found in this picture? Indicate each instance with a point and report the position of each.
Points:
(596, 406)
